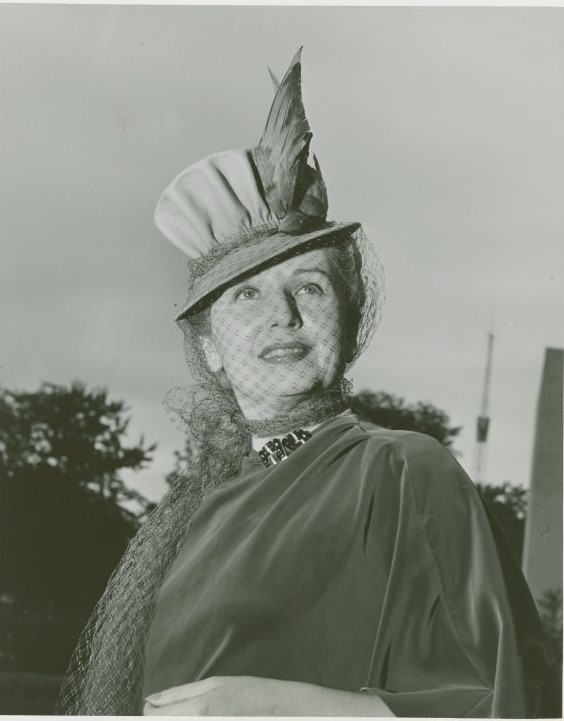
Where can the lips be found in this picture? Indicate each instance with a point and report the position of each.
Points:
(284, 352)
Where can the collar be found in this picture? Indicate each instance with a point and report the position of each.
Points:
(278, 449)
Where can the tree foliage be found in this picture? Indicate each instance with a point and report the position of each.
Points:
(72, 431)
(390, 411)
(550, 607)
(509, 506)
(65, 516)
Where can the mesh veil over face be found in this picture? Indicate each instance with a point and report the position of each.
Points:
(287, 333)
(106, 672)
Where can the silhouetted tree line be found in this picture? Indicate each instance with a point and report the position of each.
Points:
(66, 516)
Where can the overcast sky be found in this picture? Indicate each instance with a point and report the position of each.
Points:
(439, 128)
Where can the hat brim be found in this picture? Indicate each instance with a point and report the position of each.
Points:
(245, 259)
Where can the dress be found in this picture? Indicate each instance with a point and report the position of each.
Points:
(364, 561)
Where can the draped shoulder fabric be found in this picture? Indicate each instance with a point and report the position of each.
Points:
(364, 562)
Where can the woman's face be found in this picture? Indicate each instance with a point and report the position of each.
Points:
(278, 335)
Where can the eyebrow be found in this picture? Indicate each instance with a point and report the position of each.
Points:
(299, 271)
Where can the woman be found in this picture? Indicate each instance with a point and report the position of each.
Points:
(307, 563)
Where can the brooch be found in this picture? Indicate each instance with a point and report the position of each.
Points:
(278, 449)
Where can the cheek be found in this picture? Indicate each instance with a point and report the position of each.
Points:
(331, 355)
(233, 339)
(329, 333)
(327, 324)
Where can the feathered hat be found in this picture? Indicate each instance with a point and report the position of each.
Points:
(236, 211)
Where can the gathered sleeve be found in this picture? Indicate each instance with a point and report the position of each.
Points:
(459, 634)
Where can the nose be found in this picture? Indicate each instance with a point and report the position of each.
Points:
(284, 311)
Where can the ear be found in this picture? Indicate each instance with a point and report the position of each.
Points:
(213, 358)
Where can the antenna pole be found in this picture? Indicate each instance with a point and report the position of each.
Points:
(483, 423)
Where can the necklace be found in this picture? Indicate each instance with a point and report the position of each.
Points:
(278, 449)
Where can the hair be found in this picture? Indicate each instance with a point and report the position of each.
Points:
(345, 265)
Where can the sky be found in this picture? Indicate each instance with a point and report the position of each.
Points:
(439, 128)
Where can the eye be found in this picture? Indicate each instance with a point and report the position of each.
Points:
(310, 289)
(246, 293)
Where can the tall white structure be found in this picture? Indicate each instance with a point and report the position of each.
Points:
(542, 551)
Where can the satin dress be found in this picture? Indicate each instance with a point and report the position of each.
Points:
(365, 561)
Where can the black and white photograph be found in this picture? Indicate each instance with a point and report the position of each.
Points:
(281, 360)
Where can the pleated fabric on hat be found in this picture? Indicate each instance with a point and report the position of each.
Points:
(210, 201)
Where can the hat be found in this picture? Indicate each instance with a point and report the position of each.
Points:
(237, 210)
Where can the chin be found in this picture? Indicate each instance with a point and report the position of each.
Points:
(281, 398)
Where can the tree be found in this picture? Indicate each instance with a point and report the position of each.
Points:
(550, 607)
(75, 432)
(392, 412)
(65, 516)
(508, 503)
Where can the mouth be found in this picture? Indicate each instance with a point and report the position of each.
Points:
(284, 352)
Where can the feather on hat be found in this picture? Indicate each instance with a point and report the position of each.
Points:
(235, 211)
